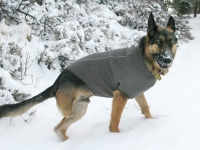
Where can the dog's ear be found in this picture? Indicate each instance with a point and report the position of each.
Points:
(171, 24)
(152, 27)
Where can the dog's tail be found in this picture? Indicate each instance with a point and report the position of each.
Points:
(12, 110)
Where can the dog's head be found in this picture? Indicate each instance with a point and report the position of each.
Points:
(161, 43)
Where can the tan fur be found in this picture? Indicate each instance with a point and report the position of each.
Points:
(62, 132)
(64, 101)
(164, 72)
(151, 64)
(154, 48)
(71, 107)
(174, 49)
(159, 28)
(169, 29)
(119, 102)
(141, 100)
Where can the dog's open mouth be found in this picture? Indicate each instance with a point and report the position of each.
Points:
(162, 64)
(164, 61)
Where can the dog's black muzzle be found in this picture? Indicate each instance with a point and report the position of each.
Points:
(164, 59)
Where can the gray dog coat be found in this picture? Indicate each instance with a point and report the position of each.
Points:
(121, 69)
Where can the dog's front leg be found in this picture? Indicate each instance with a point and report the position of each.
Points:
(119, 101)
(141, 100)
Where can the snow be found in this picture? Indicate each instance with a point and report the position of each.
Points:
(174, 103)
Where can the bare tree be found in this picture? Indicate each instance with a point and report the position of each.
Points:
(27, 63)
(199, 8)
(195, 8)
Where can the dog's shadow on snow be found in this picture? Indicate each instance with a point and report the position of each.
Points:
(141, 122)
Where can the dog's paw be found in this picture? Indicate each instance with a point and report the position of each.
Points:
(62, 135)
(116, 130)
(148, 116)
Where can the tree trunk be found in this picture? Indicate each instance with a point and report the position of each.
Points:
(199, 8)
(195, 8)
(40, 2)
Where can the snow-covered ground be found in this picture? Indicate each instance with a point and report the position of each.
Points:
(174, 103)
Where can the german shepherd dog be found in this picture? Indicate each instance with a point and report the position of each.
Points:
(157, 50)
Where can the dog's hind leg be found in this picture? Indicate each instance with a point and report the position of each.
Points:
(119, 102)
(78, 110)
(75, 111)
(141, 100)
(59, 124)
(64, 101)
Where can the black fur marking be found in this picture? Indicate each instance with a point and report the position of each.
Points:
(152, 27)
(142, 45)
(171, 23)
(84, 99)
(67, 78)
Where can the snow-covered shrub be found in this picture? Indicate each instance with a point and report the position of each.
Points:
(47, 57)
(14, 59)
(134, 14)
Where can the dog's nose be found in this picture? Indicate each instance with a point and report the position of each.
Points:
(166, 58)
(167, 61)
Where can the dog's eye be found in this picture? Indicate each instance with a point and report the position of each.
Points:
(160, 44)
(171, 43)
